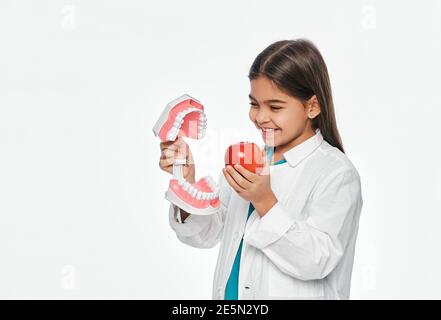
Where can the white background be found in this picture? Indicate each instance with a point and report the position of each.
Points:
(82, 208)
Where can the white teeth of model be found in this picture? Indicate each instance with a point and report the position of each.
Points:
(204, 195)
(186, 186)
(211, 183)
(194, 192)
(199, 195)
(174, 130)
(171, 136)
(177, 124)
(207, 180)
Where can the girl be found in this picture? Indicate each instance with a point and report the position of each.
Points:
(288, 233)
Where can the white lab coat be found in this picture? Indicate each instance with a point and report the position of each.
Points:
(303, 248)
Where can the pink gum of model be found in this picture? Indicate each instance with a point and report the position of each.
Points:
(192, 117)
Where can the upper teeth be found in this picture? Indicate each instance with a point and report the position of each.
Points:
(267, 129)
(179, 120)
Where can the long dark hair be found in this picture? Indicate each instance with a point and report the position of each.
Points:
(298, 69)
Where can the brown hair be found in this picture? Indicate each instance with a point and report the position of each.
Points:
(298, 68)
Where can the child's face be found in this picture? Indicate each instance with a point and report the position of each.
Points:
(288, 117)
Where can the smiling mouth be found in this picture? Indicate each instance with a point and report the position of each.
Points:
(267, 132)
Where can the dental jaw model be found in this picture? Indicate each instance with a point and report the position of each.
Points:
(185, 117)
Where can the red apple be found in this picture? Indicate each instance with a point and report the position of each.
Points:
(247, 154)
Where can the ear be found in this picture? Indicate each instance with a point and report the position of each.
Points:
(313, 107)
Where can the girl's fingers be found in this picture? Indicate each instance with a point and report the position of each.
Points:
(165, 163)
(266, 164)
(175, 150)
(245, 173)
(167, 153)
(171, 148)
(173, 145)
(241, 181)
(232, 182)
(165, 144)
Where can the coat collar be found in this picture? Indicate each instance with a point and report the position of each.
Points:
(295, 155)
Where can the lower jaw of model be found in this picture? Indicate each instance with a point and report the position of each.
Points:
(185, 117)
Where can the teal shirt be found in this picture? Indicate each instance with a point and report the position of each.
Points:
(231, 291)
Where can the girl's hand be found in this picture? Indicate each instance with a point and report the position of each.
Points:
(252, 187)
(170, 150)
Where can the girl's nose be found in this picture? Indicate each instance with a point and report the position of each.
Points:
(262, 116)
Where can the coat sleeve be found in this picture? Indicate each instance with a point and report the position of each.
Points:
(310, 249)
(202, 231)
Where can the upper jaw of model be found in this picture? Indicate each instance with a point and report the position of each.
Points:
(185, 117)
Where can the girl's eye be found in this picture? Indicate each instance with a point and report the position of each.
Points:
(272, 107)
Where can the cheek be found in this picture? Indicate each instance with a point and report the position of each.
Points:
(281, 120)
(289, 121)
(252, 115)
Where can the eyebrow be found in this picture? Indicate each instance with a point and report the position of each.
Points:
(267, 101)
